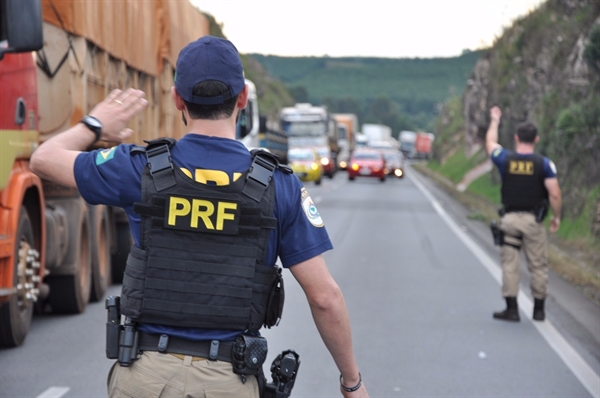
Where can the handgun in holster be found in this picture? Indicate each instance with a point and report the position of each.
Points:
(497, 233)
(284, 370)
(248, 356)
(541, 211)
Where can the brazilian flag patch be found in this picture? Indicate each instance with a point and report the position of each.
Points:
(105, 155)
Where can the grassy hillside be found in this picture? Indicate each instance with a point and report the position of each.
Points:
(414, 87)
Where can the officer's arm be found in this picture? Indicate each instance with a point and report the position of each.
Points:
(331, 317)
(55, 158)
(555, 198)
(491, 137)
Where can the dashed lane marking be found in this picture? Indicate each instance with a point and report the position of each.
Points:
(580, 368)
(54, 392)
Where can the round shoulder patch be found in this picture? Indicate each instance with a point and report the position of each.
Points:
(552, 166)
(497, 151)
(310, 209)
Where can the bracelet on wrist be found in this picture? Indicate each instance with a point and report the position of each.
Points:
(351, 389)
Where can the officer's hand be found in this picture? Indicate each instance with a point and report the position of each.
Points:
(116, 111)
(360, 393)
(554, 224)
(495, 114)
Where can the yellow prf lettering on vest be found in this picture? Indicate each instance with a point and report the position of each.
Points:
(520, 167)
(202, 215)
(203, 176)
(202, 209)
(178, 207)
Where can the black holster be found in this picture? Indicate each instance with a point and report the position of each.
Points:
(541, 211)
(284, 370)
(497, 234)
(122, 341)
(113, 326)
(248, 355)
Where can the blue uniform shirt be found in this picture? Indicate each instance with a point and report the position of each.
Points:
(113, 177)
(499, 158)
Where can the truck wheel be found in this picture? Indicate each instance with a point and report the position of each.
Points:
(119, 258)
(101, 264)
(15, 315)
(69, 294)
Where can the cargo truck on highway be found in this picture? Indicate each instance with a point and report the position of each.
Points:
(347, 131)
(310, 126)
(254, 131)
(57, 60)
(407, 142)
(377, 132)
(423, 145)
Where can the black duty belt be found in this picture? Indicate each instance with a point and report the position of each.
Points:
(213, 350)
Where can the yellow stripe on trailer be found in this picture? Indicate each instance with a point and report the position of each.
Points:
(15, 144)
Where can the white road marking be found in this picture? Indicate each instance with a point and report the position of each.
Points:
(580, 368)
(54, 392)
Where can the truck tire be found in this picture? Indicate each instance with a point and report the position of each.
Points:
(16, 314)
(124, 240)
(101, 259)
(69, 294)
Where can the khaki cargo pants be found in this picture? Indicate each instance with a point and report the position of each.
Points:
(535, 246)
(167, 376)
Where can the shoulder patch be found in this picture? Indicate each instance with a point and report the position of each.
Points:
(496, 152)
(310, 210)
(552, 166)
(105, 155)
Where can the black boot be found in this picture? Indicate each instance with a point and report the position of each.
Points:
(511, 313)
(538, 310)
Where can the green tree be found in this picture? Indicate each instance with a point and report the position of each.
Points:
(299, 93)
(592, 50)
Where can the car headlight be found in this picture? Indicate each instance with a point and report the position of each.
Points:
(324, 161)
(355, 166)
(343, 164)
(314, 166)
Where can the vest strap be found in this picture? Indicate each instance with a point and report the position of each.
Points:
(161, 167)
(259, 176)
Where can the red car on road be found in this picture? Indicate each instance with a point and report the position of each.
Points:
(366, 162)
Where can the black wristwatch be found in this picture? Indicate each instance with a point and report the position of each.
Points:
(93, 124)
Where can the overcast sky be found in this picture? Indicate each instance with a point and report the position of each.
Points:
(379, 28)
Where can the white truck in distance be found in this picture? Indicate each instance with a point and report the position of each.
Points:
(310, 126)
(407, 142)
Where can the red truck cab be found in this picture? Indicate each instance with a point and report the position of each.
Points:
(21, 198)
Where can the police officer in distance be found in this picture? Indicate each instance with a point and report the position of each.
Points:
(209, 220)
(529, 187)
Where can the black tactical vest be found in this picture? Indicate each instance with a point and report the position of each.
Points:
(202, 258)
(523, 186)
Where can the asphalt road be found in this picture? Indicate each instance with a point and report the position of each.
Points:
(421, 281)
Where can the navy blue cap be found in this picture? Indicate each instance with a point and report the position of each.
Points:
(209, 58)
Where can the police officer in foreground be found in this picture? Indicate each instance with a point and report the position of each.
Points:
(209, 219)
(529, 188)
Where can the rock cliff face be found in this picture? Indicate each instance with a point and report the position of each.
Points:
(541, 70)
